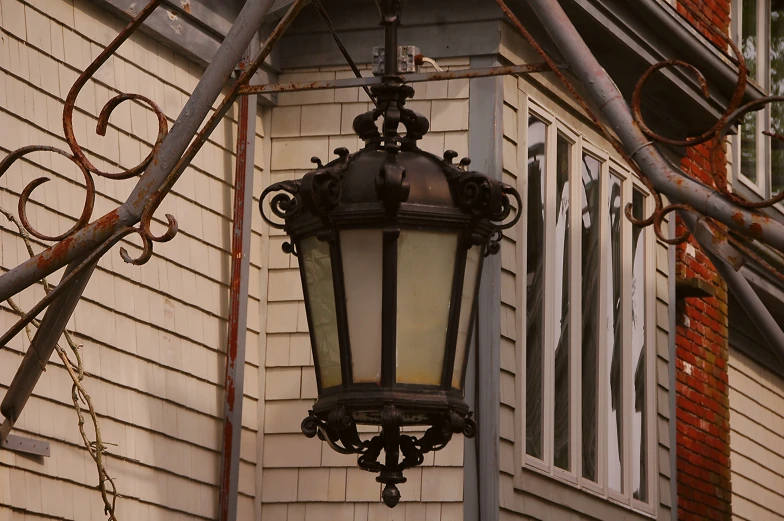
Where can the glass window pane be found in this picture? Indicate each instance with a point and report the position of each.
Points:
(591, 208)
(317, 265)
(640, 414)
(561, 427)
(470, 279)
(777, 89)
(534, 343)
(361, 252)
(425, 274)
(748, 146)
(614, 332)
(748, 36)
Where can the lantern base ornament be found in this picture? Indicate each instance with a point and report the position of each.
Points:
(339, 430)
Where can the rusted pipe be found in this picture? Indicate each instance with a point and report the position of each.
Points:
(677, 186)
(169, 162)
(407, 78)
(238, 310)
(740, 287)
(43, 344)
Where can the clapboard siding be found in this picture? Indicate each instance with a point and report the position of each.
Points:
(303, 478)
(756, 439)
(153, 335)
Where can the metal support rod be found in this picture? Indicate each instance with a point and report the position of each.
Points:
(391, 21)
(156, 181)
(740, 287)
(676, 185)
(238, 309)
(407, 78)
(41, 348)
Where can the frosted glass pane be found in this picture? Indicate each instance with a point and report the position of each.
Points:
(361, 252)
(466, 312)
(317, 264)
(425, 272)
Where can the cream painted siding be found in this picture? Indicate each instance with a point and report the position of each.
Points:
(153, 335)
(756, 440)
(303, 479)
(524, 493)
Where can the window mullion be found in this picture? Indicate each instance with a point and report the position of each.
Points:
(604, 233)
(549, 295)
(627, 360)
(576, 316)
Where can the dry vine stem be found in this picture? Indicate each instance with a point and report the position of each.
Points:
(79, 394)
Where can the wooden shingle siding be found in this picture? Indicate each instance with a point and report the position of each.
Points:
(756, 440)
(303, 479)
(153, 336)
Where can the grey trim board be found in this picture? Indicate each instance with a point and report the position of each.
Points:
(485, 141)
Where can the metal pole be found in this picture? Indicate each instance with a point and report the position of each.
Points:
(154, 182)
(407, 78)
(740, 287)
(677, 186)
(238, 310)
(41, 348)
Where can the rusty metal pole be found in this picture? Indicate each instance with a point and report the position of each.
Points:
(160, 176)
(41, 348)
(676, 185)
(238, 309)
(759, 314)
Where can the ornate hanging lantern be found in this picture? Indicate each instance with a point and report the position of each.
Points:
(390, 242)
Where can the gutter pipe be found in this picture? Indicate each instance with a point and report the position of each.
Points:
(725, 259)
(169, 162)
(676, 185)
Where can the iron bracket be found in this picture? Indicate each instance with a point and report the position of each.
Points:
(16, 443)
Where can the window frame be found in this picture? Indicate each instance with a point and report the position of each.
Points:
(761, 189)
(609, 166)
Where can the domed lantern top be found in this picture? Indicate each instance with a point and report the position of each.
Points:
(390, 242)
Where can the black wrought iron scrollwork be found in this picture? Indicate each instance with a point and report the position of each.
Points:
(340, 432)
(316, 192)
(481, 195)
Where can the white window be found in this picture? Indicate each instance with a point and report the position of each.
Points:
(758, 29)
(589, 391)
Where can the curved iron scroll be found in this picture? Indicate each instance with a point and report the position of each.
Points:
(714, 137)
(78, 156)
(339, 431)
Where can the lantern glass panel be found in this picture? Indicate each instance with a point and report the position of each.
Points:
(425, 274)
(317, 267)
(470, 279)
(361, 254)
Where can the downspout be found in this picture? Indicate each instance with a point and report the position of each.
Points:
(676, 185)
(238, 309)
(727, 262)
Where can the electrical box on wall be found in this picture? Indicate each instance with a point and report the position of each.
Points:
(406, 60)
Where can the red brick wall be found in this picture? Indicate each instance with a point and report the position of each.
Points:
(702, 401)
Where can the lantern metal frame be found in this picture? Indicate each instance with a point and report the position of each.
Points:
(392, 186)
